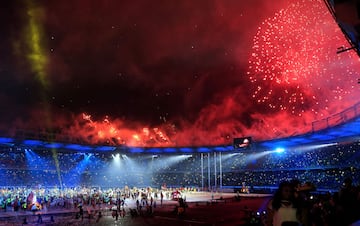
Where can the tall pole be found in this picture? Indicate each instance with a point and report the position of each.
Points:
(202, 171)
(215, 175)
(209, 179)
(220, 170)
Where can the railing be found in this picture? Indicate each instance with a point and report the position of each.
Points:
(337, 119)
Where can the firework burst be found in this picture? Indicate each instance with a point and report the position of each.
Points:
(293, 57)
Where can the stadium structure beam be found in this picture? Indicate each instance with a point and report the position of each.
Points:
(202, 171)
(215, 174)
(209, 179)
(220, 169)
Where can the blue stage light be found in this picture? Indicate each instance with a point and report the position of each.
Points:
(6, 140)
(33, 142)
(186, 150)
(78, 147)
(203, 149)
(105, 148)
(136, 150)
(169, 150)
(154, 150)
(54, 145)
(279, 150)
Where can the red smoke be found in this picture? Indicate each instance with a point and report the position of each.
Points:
(192, 73)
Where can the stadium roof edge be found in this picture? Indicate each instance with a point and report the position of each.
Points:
(343, 132)
(345, 126)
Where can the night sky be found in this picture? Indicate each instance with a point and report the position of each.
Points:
(171, 73)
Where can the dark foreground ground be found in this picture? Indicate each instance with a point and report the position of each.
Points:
(203, 211)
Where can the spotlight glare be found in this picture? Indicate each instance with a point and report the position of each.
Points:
(279, 150)
(116, 156)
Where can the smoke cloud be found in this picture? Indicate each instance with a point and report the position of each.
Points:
(169, 73)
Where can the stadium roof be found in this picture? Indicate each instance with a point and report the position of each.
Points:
(346, 14)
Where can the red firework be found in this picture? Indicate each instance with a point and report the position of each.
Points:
(294, 66)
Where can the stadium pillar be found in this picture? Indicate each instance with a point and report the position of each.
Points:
(209, 179)
(215, 176)
(220, 169)
(202, 171)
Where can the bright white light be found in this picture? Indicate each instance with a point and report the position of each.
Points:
(279, 150)
(116, 157)
(314, 147)
(116, 160)
(87, 156)
(34, 199)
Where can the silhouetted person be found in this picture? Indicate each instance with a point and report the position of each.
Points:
(24, 221)
(16, 204)
(39, 221)
(161, 198)
(283, 209)
(81, 212)
(99, 216)
(347, 199)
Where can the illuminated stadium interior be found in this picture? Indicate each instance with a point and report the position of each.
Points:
(323, 157)
(106, 104)
(281, 84)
